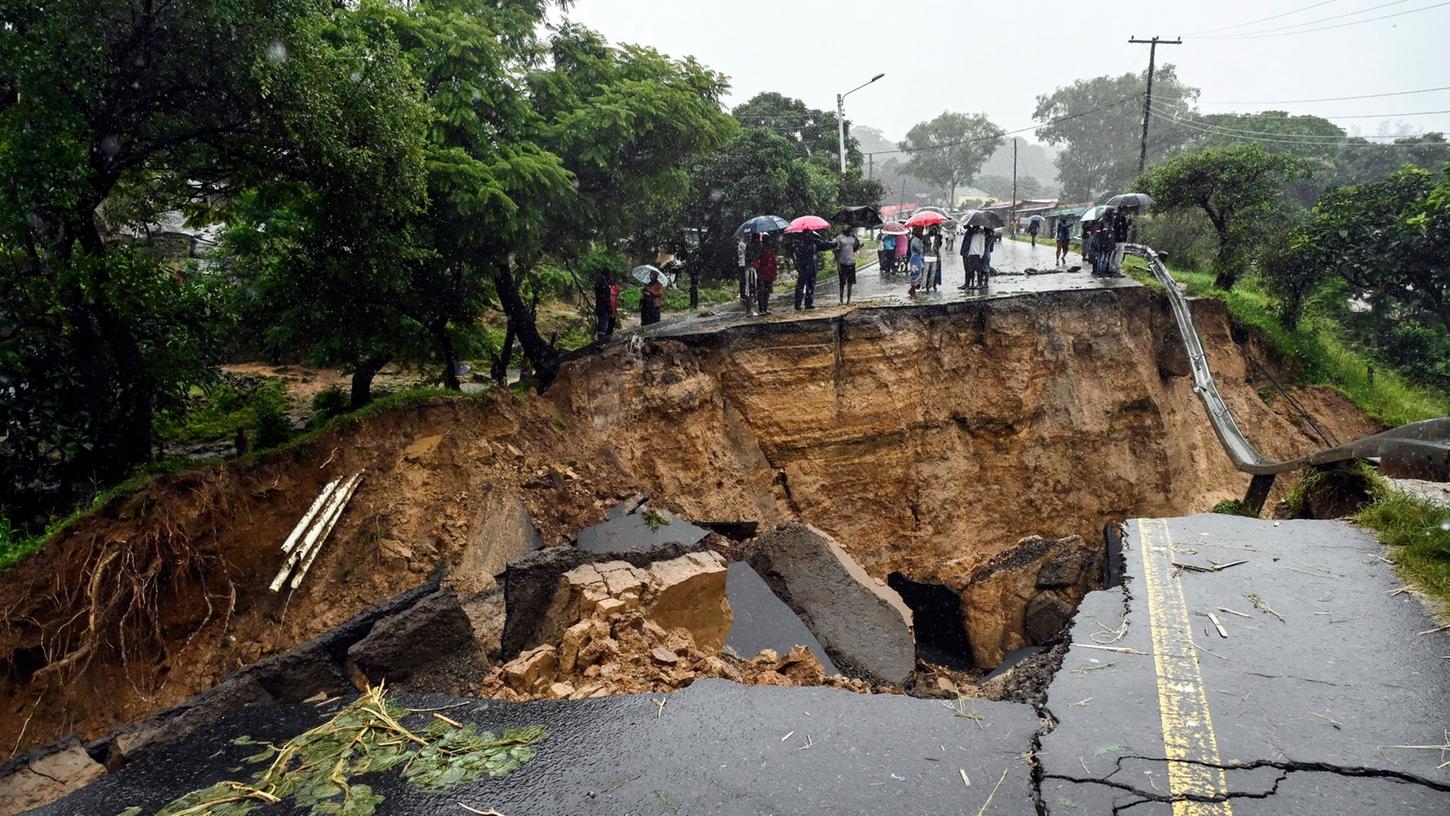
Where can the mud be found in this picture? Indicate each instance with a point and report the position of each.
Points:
(924, 440)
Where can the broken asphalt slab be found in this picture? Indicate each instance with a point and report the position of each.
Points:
(763, 621)
(1297, 711)
(714, 748)
(638, 529)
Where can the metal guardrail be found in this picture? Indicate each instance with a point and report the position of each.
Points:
(1425, 443)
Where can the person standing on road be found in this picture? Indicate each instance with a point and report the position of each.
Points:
(603, 306)
(990, 240)
(807, 263)
(974, 243)
(846, 246)
(1103, 248)
(903, 251)
(651, 300)
(742, 252)
(1064, 235)
(886, 256)
(1120, 242)
(918, 261)
(1032, 227)
(765, 271)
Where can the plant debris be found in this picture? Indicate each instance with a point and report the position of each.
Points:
(367, 736)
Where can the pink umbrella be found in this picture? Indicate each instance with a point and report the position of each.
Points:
(893, 228)
(808, 222)
(925, 218)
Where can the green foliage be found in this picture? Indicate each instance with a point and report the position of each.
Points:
(328, 403)
(812, 130)
(1230, 507)
(15, 545)
(1240, 189)
(950, 149)
(218, 411)
(315, 769)
(1418, 532)
(1099, 129)
(1316, 352)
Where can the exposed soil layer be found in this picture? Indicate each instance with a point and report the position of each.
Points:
(917, 437)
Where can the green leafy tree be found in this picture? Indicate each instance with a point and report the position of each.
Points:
(1001, 186)
(1098, 122)
(813, 131)
(950, 149)
(129, 108)
(1240, 189)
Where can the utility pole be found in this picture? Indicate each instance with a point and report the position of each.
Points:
(870, 166)
(1012, 219)
(1148, 98)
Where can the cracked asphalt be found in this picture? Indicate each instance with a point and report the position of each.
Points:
(1303, 703)
(1304, 709)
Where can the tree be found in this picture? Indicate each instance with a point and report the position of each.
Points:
(1001, 186)
(1360, 161)
(950, 149)
(1099, 123)
(135, 107)
(812, 130)
(1390, 240)
(1291, 273)
(1239, 188)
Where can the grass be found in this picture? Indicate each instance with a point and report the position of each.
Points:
(1417, 531)
(1315, 351)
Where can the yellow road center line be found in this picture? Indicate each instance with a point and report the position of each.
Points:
(1188, 736)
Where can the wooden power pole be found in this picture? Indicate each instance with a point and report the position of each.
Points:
(1148, 97)
(1012, 219)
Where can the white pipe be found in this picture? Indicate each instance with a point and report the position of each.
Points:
(331, 522)
(308, 517)
(307, 542)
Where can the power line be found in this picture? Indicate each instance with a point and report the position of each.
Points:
(1009, 132)
(1261, 19)
(1330, 98)
(1310, 22)
(1260, 35)
(1185, 109)
(1293, 139)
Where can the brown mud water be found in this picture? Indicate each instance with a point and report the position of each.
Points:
(928, 442)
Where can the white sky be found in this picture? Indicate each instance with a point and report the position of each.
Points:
(997, 57)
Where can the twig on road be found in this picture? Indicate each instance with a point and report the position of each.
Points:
(983, 809)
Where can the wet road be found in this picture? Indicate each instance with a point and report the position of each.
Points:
(1011, 262)
(1298, 711)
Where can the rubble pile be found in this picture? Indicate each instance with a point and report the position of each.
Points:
(623, 629)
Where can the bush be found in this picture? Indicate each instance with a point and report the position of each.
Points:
(330, 402)
(1230, 507)
(271, 425)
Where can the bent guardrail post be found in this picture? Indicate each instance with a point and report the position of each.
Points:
(1425, 443)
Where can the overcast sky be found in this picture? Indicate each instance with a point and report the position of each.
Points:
(997, 57)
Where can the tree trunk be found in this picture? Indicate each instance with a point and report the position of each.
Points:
(450, 356)
(501, 362)
(362, 379)
(540, 353)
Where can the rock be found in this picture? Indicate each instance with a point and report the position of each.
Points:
(1045, 617)
(1171, 354)
(863, 624)
(664, 655)
(45, 775)
(609, 607)
(530, 584)
(394, 550)
(597, 651)
(689, 593)
(501, 531)
(995, 593)
(561, 691)
(763, 621)
(409, 642)
(533, 671)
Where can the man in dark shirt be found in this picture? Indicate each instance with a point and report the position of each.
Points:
(807, 263)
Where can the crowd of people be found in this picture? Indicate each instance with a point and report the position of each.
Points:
(918, 252)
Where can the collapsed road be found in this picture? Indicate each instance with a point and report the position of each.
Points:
(1091, 737)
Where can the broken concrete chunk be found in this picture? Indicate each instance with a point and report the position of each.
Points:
(1045, 617)
(533, 671)
(689, 593)
(864, 624)
(761, 620)
(501, 531)
(406, 643)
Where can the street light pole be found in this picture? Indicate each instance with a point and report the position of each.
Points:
(841, 117)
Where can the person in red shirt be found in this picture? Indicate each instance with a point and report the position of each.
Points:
(765, 271)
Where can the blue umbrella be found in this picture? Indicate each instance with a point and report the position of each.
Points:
(762, 224)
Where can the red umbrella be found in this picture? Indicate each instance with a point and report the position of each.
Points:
(808, 222)
(893, 228)
(925, 218)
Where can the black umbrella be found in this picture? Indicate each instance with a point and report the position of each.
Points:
(866, 217)
(982, 218)
(761, 224)
(1133, 202)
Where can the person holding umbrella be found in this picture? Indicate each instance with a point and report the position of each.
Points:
(1033, 224)
(974, 244)
(846, 245)
(604, 304)
(649, 303)
(808, 247)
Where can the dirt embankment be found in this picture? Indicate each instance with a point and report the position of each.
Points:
(916, 437)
